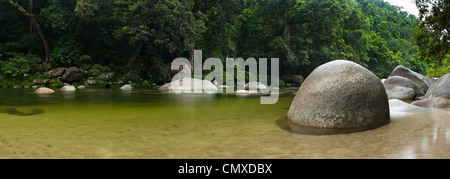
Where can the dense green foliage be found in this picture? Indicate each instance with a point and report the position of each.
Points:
(432, 35)
(145, 35)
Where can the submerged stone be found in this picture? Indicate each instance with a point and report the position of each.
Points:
(340, 95)
(44, 90)
(21, 111)
(189, 85)
(255, 86)
(126, 88)
(68, 89)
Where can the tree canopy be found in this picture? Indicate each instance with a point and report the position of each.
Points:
(145, 35)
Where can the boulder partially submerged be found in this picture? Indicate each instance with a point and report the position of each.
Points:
(68, 89)
(340, 95)
(126, 88)
(44, 90)
(189, 85)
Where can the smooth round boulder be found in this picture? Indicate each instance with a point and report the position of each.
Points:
(433, 103)
(44, 90)
(340, 95)
(440, 88)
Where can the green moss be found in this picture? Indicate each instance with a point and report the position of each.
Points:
(57, 84)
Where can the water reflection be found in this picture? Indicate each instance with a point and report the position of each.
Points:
(147, 124)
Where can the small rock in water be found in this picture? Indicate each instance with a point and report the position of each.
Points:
(35, 87)
(189, 85)
(126, 88)
(223, 87)
(68, 89)
(241, 92)
(81, 87)
(255, 86)
(44, 90)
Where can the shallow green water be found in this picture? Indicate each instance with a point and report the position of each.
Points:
(148, 124)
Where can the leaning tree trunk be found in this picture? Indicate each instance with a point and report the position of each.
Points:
(30, 16)
(136, 52)
(44, 42)
(191, 52)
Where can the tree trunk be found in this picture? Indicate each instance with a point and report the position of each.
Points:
(79, 28)
(136, 52)
(30, 16)
(191, 52)
(44, 41)
(30, 10)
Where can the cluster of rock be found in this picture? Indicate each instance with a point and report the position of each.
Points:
(191, 85)
(92, 77)
(405, 84)
(342, 95)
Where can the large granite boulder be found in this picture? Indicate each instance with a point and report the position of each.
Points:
(422, 81)
(398, 87)
(189, 85)
(440, 88)
(340, 95)
(433, 103)
(73, 74)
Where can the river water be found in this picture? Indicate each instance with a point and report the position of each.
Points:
(148, 124)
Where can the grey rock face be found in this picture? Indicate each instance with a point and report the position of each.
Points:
(440, 88)
(422, 81)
